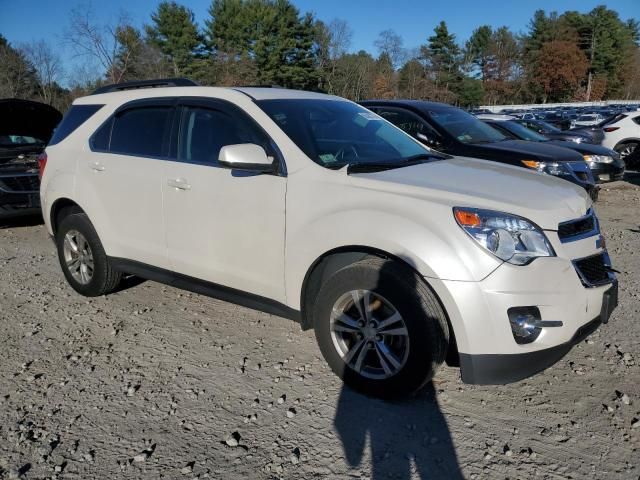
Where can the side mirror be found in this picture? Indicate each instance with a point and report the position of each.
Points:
(246, 156)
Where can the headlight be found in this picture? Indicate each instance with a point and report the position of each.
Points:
(510, 238)
(598, 159)
(551, 168)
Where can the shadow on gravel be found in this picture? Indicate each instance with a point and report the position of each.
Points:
(407, 440)
(21, 221)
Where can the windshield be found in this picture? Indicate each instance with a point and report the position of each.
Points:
(522, 132)
(18, 141)
(335, 133)
(464, 127)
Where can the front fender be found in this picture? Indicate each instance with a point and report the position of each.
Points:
(422, 234)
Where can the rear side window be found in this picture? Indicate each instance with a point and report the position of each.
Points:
(637, 120)
(140, 131)
(76, 116)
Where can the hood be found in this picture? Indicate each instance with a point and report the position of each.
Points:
(543, 199)
(523, 150)
(584, 148)
(28, 119)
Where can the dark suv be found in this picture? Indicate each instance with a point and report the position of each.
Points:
(25, 129)
(452, 130)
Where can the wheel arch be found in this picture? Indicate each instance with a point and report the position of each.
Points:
(333, 260)
(60, 209)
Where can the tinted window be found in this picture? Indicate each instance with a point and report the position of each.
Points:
(204, 131)
(464, 127)
(335, 133)
(76, 116)
(100, 139)
(140, 131)
(520, 131)
(409, 123)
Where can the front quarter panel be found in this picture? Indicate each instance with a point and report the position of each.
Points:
(328, 210)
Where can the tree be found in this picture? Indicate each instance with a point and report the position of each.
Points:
(389, 43)
(18, 77)
(442, 56)
(174, 32)
(561, 68)
(333, 41)
(477, 50)
(48, 69)
(281, 43)
(98, 42)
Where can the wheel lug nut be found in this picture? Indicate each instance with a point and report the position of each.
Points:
(359, 335)
(361, 324)
(378, 338)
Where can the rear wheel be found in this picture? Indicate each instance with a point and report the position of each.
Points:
(380, 328)
(83, 260)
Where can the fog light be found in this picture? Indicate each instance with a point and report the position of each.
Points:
(524, 323)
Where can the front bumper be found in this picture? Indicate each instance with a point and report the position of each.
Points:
(608, 172)
(494, 369)
(19, 195)
(478, 311)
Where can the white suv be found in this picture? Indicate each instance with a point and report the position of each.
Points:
(311, 207)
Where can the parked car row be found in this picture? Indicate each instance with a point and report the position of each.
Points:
(373, 226)
(605, 164)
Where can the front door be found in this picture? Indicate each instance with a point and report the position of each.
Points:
(223, 226)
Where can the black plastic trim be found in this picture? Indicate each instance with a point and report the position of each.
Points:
(202, 287)
(156, 83)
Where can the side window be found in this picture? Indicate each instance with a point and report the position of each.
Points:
(101, 138)
(204, 131)
(76, 116)
(140, 131)
(409, 123)
(637, 119)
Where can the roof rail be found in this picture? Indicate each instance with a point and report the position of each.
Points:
(160, 82)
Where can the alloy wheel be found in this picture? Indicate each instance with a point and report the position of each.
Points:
(369, 334)
(78, 257)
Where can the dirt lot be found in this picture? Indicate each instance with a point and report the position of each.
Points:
(153, 382)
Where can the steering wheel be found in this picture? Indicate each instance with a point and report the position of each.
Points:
(347, 153)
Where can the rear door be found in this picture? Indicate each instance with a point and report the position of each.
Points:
(223, 226)
(120, 180)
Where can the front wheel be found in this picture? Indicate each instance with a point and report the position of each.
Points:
(380, 328)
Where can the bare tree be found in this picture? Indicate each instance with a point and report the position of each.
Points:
(99, 42)
(17, 76)
(340, 34)
(390, 43)
(48, 68)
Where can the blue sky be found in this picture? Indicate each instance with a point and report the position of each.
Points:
(27, 20)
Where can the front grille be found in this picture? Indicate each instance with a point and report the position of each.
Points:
(23, 183)
(593, 270)
(578, 228)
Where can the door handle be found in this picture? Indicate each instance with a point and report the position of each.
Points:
(96, 166)
(179, 183)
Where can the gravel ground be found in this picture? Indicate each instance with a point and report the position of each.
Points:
(153, 382)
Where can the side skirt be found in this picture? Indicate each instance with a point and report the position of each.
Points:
(202, 287)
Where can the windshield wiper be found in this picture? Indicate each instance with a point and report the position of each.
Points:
(370, 167)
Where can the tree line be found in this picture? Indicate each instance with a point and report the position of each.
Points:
(561, 57)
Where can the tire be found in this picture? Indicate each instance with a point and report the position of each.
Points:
(629, 152)
(102, 278)
(391, 286)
